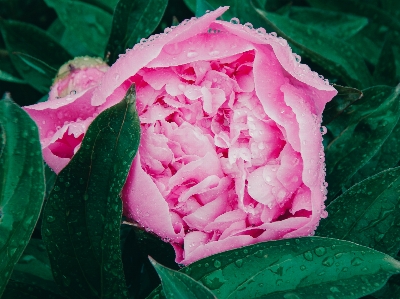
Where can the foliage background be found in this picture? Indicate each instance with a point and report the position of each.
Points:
(353, 43)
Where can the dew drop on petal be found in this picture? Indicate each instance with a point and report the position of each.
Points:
(235, 21)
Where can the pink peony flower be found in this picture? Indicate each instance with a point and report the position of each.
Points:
(231, 151)
(64, 118)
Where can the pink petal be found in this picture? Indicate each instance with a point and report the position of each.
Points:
(207, 213)
(142, 201)
(134, 60)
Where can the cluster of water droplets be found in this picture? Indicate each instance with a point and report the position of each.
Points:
(261, 33)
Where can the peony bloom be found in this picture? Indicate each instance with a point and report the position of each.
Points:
(64, 118)
(231, 147)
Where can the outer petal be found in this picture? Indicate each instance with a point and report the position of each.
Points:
(129, 64)
(144, 203)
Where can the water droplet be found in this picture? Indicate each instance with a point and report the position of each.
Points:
(26, 259)
(116, 76)
(261, 30)
(66, 280)
(47, 232)
(50, 218)
(338, 255)
(308, 255)
(320, 251)
(239, 263)
(248, 25)
(235, 21)
(356, 261)
(217, 264)
(334, 290)
(328, 261)
(302, 267)
(191, 54)
(279, 282)
(213, 53)
(259, 253)
(297, 57)
(72, 92)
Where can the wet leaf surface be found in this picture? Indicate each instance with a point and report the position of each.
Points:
(81, 221)
(309, 267)
(368, 214)
(359, 134)
(22, 184)
(179, 285)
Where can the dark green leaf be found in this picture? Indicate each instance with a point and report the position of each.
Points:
(7, 70)
(106, 5)
(33, 269)
(337, 24)
(359, 133)
(179, 285)
(33, 261)
(89, 23)
(368, 213)
(50, 178)
(366, 46)
(333, 54)
(201, 7)
(345, 97)
(388, 156)
(390, 291)
(391, 6)
(144, 19)
(309, 267)
(81, 221)
(35, 49)
(16, 289)
(132, 21)
(191, 4)
(22, 184)
(4, 76)
(385, 70)
(141, 278)
(360, 8)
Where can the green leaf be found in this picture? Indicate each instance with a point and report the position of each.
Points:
(179, 285)
(32, 270)
(201, 7)
(22, 187)
(7, 70)
(4, 76)
(388, 156)
(392, 6)
(346, 96)
(132, 21)
(333, 54)
(34, 59)
(368, 213)
(360, 8)
(16, 289)
(89, 23)
(359, 133)
(191, 4)
(385, 70)
(106, 5)
(338, 24)
(366, 46)
(309, 267)
(390, 291)
(141, 278)
(81, 220)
